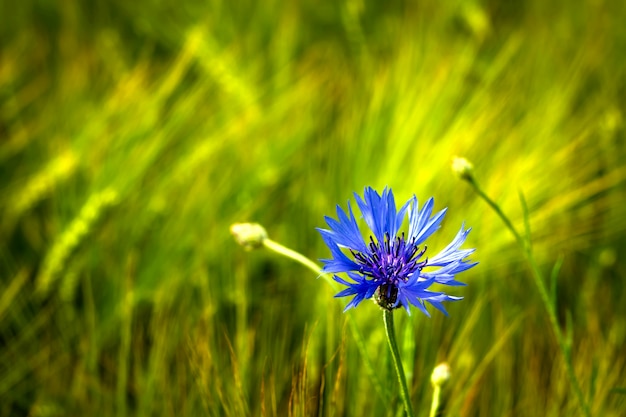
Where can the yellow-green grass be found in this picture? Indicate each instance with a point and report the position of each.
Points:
(133, 135)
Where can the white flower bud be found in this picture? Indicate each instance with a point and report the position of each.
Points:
(440, 375)
(248, 235)
(462, 168)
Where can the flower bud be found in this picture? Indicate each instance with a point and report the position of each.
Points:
(440, 375)
(462, 168)
(248, 235)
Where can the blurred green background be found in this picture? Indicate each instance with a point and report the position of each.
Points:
(133, 134)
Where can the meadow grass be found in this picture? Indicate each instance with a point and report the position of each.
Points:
(135, 133)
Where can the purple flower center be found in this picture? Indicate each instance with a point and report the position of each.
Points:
(391, 261)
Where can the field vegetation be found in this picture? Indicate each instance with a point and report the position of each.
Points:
(133, 134)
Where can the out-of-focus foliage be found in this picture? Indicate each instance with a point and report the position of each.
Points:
(133, 134)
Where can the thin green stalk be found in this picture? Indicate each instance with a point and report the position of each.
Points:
(301, 259)
(330, 367)
(543, 292)
(123, 356)
(435, 404)
(498, 211)
(395, 353)
(356, 334)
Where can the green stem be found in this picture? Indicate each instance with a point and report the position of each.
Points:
(435, 404)
(395, 353)
(293, 255)
(545, 297)
(356, 334)
(498, 211)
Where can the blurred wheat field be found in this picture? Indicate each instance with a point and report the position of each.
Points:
(134, 134)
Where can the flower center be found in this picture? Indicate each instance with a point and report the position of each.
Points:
(390, 261)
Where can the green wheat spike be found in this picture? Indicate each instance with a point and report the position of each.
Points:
(55, 261)
(42, 183)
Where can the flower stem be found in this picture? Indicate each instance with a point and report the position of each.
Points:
(295, 256)
(543, 292)
(356, 334)
(435, 404)
(395, 353)
(498, 211)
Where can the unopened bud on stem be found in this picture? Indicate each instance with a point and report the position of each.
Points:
(462, 168)
(440, 375)
(249, 235)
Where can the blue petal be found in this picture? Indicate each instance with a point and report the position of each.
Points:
(340, 262)
(446, 274)
(332, 266)
(344, 282)
(379, 212)
(400, 216)
(433, 224)
(414, 291)
(417, 217)
(388, 214)
(421, 225)
(404, 302)
(451, 252)
(438, 306)
(363, 288)
(437, 299)
(345, 232)
(420, 304)
(371, 209)
(415, 285)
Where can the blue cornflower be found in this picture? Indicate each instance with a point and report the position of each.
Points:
(389, 267)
